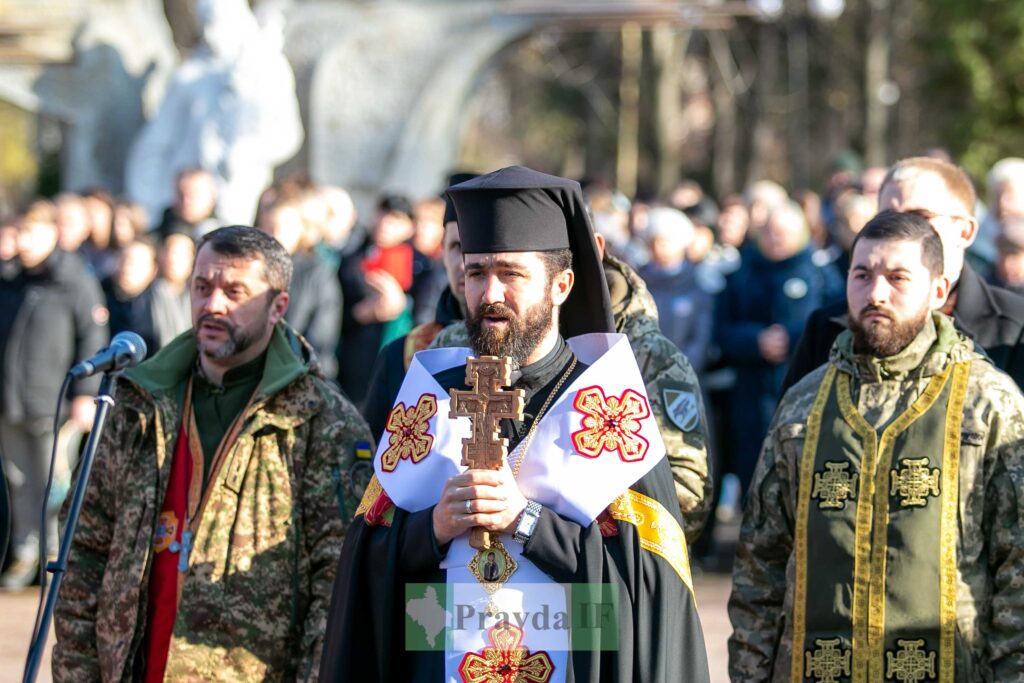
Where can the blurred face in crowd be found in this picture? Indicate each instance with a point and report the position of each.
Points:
(176, 257)
(784, 234)
(72, 222)
(667, 252)
(197, 197)
(453, 264)
(890, 295)
(1009, 200)
(854, 213)
(136, 268)
(8, 241)
(701, 244)
(733, 222)
(392, 228)
(129, 222)
(871, 181)
(284, 224)
(511, 303)
(101, 218)
(340, 216)
(233, 307)
(1010, 266)
(36, 241)
(429, 227)
(955, 223)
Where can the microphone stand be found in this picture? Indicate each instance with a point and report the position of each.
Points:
(104, 400)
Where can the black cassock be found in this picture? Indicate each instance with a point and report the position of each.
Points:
(659, 634)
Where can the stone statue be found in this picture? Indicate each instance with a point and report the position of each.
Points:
(230, 108)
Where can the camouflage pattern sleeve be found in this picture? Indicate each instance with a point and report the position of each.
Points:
(454, 335)
(756, 605)
(336, 434)
(678, 406)
(1003, 525)
(75, 655)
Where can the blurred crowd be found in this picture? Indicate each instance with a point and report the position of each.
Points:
(733, 279)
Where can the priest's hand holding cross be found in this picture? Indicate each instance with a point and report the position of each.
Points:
(485, 497)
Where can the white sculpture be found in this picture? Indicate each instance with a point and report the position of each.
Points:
(230, 108)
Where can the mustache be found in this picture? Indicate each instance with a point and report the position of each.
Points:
(871, 308)
(495, 310)
(214, 320)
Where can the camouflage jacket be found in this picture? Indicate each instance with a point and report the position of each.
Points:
(990, 544)
(669, 378)
(267, 540)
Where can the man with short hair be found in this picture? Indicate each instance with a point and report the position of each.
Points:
(218, 501)
(881, 537)
(993, 317)
(583, 504)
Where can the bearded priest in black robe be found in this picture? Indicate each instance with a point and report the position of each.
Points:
(586, 577)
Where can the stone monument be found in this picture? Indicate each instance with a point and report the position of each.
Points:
(230, 108)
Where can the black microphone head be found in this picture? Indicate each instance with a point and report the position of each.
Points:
(133, 348)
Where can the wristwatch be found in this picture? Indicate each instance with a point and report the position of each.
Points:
(527, 522)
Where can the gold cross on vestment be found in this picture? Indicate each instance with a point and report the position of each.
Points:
(485, 404)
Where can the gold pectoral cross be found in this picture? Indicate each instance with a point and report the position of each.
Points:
(485, 404)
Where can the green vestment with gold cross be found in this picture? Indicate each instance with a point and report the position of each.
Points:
(876, 535)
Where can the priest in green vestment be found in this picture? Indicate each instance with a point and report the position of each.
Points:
(882, 538)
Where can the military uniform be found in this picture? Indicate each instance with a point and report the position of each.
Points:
(928, 440)
(672, 388)
(254, 599)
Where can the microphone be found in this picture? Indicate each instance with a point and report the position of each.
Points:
(126, 350)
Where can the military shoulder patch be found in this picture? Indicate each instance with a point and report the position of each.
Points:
(681, 406)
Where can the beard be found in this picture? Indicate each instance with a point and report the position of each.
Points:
(239, 339)
(886, 337)
(518, 339)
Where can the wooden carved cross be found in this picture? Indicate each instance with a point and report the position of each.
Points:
(485, 405)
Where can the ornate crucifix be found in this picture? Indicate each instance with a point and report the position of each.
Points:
(485, 405)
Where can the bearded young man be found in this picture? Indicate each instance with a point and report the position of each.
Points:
(215, 513)
(881, 538)
(594, 582)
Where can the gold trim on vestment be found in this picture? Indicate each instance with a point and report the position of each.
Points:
(802, 508)
(948, 529)
(370, 496)
(871, 544)
(658, 530)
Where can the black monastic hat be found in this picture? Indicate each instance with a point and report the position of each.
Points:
(449, 208)
(519, 209)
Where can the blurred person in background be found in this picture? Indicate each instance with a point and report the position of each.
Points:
(342, 233)
(128, 292)
(171, 312)
(73, 224)
(1005, 185)
(316, 304)
(762, 197)
(53, 317)
(380, 290)
(684, 308)
(195, 205)
(610, 213)
(871, 182)
(758, 319)
(851, 214)
(10, 265)
(102, 251)
(428, 238)
(810, 203)
(129, 222)
(1009, 268)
